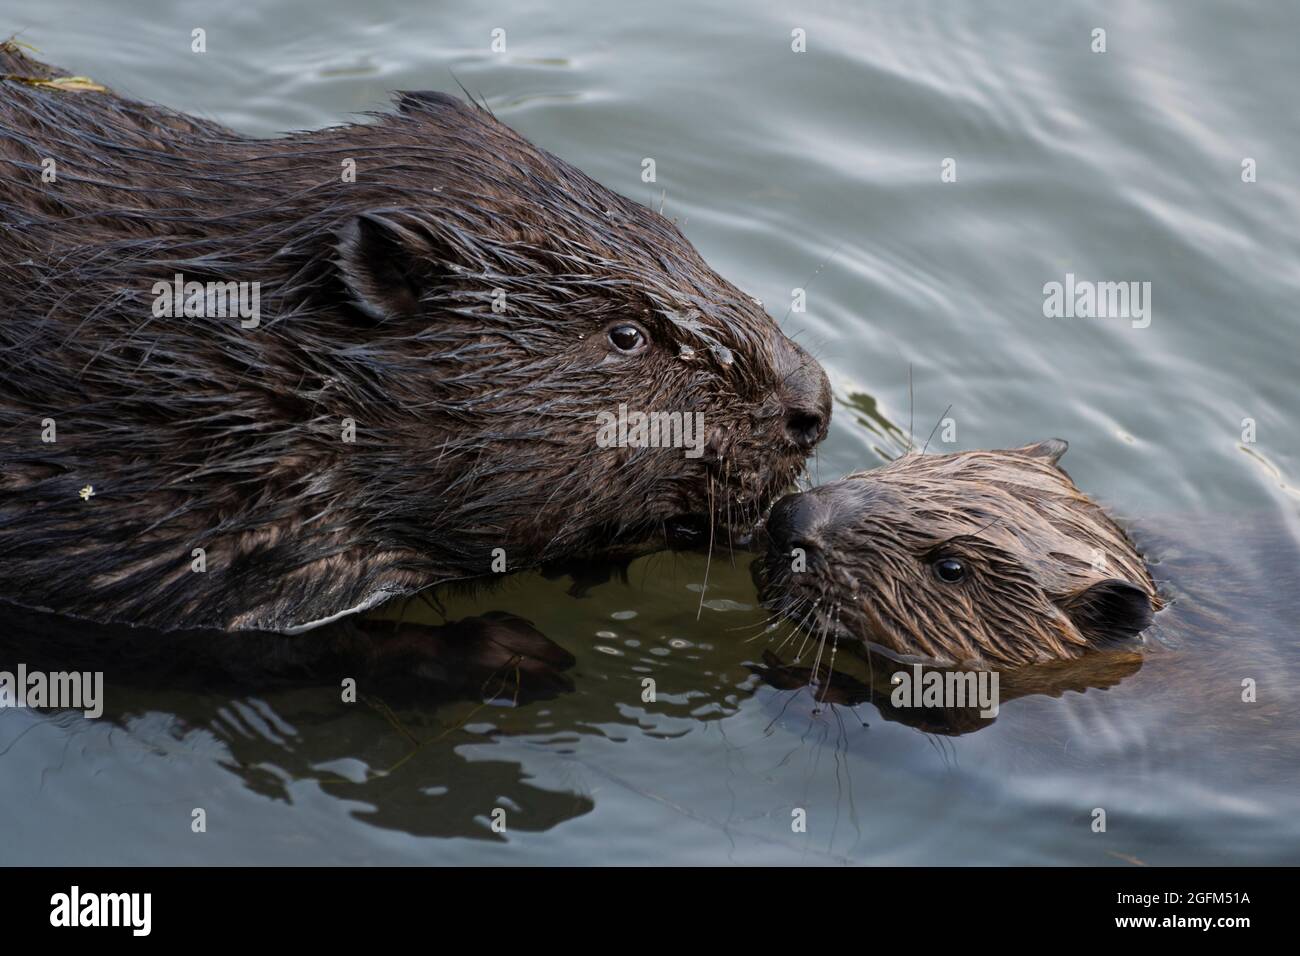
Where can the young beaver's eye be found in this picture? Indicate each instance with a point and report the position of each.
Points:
(628, 337)
(949, 570)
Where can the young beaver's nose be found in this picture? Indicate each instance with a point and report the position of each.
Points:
(806, 394)
(798, 521)
(816, 520)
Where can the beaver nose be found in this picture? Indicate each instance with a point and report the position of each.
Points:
(797, 521)
(816, 520)
(806, 394)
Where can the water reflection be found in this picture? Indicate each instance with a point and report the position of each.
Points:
(1124, 165)
(900, 692)
(738, 733)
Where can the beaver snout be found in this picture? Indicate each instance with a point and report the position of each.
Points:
(806, 396)
(806, 520)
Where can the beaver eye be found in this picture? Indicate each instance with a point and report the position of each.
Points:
(949, 570)
(627, 337)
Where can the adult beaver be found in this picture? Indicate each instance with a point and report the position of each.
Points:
(980, 558)
(442, 310)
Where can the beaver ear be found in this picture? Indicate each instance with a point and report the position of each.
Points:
(1051, 449)
(383, 264)
(430, 101)
(1113, 609)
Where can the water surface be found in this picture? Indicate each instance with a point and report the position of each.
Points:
(818, 170)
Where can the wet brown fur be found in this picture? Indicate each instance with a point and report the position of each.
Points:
(1049, 575)
(475, 427)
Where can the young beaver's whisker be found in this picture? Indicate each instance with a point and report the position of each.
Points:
(935, 428)
(766, 625)
(800, 627)
(833, 628)
(765, 622)
(818, 624)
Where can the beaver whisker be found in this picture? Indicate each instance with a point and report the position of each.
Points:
(767, 624)
(708, 560)
(731, 548)
(815, 273)
(817, 659)
(832, 627)
(799, 627)
(808, 633)
(942, 415)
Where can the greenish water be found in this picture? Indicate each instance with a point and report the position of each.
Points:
(818, 170)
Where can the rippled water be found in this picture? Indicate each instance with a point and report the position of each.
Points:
(819, 170)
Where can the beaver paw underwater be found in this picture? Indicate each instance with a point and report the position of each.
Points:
(979, 558)
(417, 398)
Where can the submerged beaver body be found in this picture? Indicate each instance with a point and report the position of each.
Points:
(444, 310)
(984, 558)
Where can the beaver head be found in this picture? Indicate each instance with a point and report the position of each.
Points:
(987, 557)
(446, 311)
(528, 306)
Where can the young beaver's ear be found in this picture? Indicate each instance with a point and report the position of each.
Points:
(385, 265)
(1051, 449)
(431, 101)
(1110, 610)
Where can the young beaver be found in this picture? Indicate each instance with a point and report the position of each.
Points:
(982, 557)
(464, 309)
